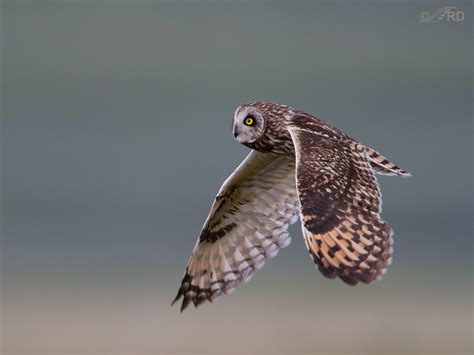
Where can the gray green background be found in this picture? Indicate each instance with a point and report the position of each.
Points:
(116, 137)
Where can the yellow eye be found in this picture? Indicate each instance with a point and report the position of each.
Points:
(249, 121)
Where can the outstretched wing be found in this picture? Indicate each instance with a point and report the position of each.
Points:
(340, 206)
(247, 225)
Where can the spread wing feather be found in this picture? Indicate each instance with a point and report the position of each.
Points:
(247, 225)
(340, 206)
(382, 165)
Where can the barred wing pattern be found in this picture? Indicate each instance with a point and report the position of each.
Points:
(247, 225)
(340, 205)
(383, 166)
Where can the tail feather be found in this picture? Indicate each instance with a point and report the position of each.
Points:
(383, 166)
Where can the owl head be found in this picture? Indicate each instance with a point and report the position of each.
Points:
(262, 125)
(249, 124)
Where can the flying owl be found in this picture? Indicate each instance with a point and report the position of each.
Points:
(298, 166)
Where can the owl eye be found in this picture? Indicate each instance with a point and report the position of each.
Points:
(249, 121)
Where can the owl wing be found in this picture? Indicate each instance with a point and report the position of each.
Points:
(247, 225)
(340, 206)
(382, 165)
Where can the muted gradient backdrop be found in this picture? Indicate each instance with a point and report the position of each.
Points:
(116, 135)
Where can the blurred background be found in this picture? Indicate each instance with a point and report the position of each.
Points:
(116, 136)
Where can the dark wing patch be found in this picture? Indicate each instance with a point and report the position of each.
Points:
(340, 206)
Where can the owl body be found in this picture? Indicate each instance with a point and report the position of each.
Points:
(302, 167)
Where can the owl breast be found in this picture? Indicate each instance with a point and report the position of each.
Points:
(269, 143)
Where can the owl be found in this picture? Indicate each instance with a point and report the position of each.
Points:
(298, 166)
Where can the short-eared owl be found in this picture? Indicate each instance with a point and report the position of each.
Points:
(299, 165)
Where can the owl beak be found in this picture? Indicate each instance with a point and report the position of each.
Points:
(235, 132)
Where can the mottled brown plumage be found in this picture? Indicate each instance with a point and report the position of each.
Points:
(299, 165)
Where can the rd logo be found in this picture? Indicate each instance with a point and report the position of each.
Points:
(447, 13)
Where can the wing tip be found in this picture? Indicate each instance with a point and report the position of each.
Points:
(177, 298)
(368, 270)
(184, 304)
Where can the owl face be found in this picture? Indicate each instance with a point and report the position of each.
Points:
(263, 126)
(249, 124)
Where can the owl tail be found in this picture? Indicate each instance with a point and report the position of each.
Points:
(383, 166)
